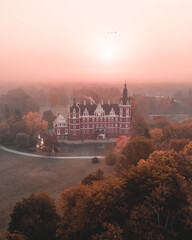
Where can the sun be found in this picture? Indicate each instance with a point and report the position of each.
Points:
(108, 54)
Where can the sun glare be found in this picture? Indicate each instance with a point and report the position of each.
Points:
(108, 48)
(108, 54)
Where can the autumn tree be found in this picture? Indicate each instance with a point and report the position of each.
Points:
(92, 177)
(178, 144)
(34, 126)
(121, 142)
(110, 232)
(15, 236)
(137, 148)
(149, 201)
(35, 217)
(50, 144)
(156, 136)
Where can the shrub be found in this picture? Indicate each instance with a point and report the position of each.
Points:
(95, 160)
(92, 177)
(110, 158)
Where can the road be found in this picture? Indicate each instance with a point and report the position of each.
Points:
(43, 156)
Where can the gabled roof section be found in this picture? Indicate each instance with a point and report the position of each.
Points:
(92, 107)
(59, 119)
(74, 107)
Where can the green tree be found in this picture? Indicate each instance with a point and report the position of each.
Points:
(35, 217)
(22, 140)
(49, 117)
(139, 127)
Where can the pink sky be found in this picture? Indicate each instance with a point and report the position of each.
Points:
(69, 40)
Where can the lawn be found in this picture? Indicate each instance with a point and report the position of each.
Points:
(20, 176)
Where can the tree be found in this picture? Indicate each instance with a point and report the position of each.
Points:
(92, 177)
(177, 144)
(111, 157)
(156, 136)
(34, 126)
(139, 127)
(17, 114)
(121, 142)
(35, 217)
(22, 140)
(50, 144)
(137, 148)
(149, 201)
(49, 117)
(5, 132)
(6, 111)
(110, 232)
(15, 236)
(17, 99)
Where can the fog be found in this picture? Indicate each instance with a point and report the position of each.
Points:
(95, 42)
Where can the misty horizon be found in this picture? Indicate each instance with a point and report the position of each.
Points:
(100, 42)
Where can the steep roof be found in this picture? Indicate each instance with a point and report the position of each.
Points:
(59, 119)
(91, 108)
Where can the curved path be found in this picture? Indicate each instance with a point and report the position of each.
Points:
(43, 156)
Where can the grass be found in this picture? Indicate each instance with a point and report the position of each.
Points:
(20, 176)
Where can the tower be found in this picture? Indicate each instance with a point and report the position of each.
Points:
(74, 121)
(124, 113)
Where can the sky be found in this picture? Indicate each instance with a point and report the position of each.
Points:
(95, 41)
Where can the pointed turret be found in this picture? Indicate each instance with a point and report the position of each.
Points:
(125, 99)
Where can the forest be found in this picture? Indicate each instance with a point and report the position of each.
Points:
(148, 197)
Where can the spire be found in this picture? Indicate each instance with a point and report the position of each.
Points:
(74, 101)
(125, 91)
(125, 99)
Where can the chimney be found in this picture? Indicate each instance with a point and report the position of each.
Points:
(84, 102)
(101, 101)
(108, 101)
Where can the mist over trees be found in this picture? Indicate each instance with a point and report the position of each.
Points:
(16, 100)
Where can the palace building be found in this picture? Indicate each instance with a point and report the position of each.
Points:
(95, 121)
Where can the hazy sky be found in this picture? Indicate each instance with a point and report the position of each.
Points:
(95, 40)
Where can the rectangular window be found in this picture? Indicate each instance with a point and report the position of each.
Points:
(66, 131)
(74, 132)
(58, 131)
